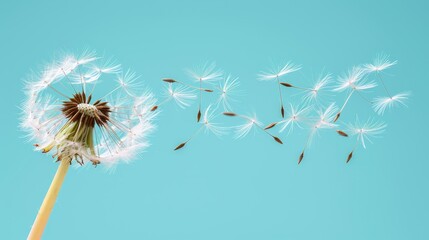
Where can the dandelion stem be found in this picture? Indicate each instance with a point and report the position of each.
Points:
(49, 201)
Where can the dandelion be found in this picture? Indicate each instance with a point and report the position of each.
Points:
(227, 88)
(277, 74)
(75, 120)
(364, 132)
(206, 73)
(382, 103)
(295, 116)
(324, 121)
(354, 81)
(206, 124)
(251, 123)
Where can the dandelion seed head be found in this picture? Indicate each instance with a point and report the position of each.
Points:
(66, 113)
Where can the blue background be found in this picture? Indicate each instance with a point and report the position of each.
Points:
(224, 188)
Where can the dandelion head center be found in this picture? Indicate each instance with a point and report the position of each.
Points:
(87, 109)
(79, 109)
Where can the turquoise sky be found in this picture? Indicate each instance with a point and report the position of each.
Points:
(222, 188)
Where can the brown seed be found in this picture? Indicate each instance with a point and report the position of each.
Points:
(154, 108)
(231, 114)
(270, 126)
(286, 84)
(198, 115)
(277, 139)
(282, 110)
(349, 157)
(208, 90)
(169, 80)
(342, 133)
(180, 146)
(301, 157)
(338, 116)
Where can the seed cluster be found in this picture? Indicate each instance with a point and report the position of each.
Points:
(79, 109)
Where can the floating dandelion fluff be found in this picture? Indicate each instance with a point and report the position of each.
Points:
(294, 117)
(312, 95)
(227, 88)
(323, 121)
(364, 132)
(208, 125)
(65, 112)
(353, 81)
(380, 63)
(251, 123)
(205, 73)
(381, 104)
(181, 95)
(276, 74)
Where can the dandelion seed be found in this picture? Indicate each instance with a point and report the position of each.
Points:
(381, 104)
(180, 146)
(206, 73)
(301, 156)
(324, 121)
(244, 129)
(349, 157)
(364, 132)
(276, 74)
(61, 115)
(380, 63)
(311, 95)
(227, 89)
(294, 117)
(181, 95)
(208, 124)
(271, 125)
(170, 80)
(342, 133)
(251, 123)
(354, 81)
